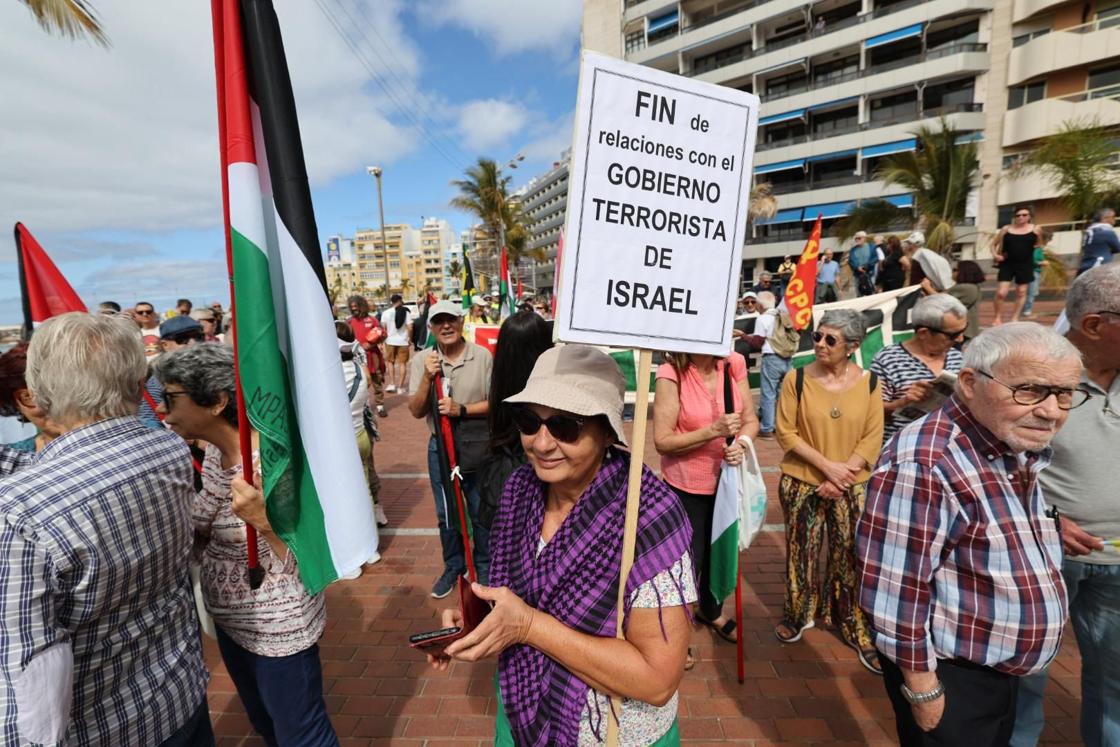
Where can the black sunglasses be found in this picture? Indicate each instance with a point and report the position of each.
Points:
(950, 334)
(830, 340)
(169, 398)
(564, 428)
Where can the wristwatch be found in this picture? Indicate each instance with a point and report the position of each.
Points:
(927, 697)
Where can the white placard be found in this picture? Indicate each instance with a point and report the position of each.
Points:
(657, 209)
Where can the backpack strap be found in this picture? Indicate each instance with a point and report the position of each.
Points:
(872, 380)
(799, 382)
(356, 382)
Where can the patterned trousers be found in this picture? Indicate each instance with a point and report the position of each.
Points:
(807, 515)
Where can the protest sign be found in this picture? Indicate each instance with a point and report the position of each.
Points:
(657, 209)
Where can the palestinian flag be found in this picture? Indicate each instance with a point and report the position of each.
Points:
(467, 277)
(289, 370)
(505, 286)
(724, 552)
(43, 290)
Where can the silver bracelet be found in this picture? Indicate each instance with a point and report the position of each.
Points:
(926, 697)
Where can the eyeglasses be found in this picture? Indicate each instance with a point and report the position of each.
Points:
(1022, 215)
(145, 312)
(169, 398)
(830, 340)
(564, 428)
(952, 335)
(1036, 394)
(443, 319)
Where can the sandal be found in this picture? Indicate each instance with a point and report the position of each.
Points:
(795, 631)
(725, 631)
(869, 658)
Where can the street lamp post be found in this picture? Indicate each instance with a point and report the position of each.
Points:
(375, 172)
(502, 218)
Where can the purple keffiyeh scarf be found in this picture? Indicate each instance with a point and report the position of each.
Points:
(574, 579)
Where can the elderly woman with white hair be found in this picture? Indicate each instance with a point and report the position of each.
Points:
(268, 637)
(830, 424)
(908, 370)
(556, 548)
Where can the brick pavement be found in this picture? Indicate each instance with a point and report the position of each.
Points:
(381, 692)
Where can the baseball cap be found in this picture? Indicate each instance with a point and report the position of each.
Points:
(177, 325)
(445, 307)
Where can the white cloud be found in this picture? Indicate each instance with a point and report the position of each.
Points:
(126, 138)
(491, 123)
(513, 27)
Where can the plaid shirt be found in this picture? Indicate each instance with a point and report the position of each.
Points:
(958, 559)
(95, 540)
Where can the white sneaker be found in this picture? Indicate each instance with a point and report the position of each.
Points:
(389, 389)
(356, 573)
(373, 559)
(379, 516)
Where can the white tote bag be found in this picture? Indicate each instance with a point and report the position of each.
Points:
(752, 496)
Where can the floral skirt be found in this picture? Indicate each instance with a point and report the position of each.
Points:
(807, 517)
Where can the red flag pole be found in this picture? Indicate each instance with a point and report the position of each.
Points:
(452, 464)
(218, 9)
(25, 298)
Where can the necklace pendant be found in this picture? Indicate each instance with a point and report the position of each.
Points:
(835, 412)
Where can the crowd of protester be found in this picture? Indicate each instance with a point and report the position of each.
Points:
(958, 489)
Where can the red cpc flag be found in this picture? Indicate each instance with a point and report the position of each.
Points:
(45, 291)
(803, 285)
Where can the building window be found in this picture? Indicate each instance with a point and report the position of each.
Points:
(721, 58)
(894, 107)
(787, 84)
(635, 41)
(835, 121)
(1021, 95)
(1106, 78)
(826, 72)
(1108, 17)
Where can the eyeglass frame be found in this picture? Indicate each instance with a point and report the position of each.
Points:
(520, 410)
(817, 336)
(1050, 390)
(936, 330)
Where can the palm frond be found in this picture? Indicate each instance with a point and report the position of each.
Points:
(75, 19)
(1054, 275)
(870, 216)
(1080, 161)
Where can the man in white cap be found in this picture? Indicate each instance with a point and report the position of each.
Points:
(465, 370)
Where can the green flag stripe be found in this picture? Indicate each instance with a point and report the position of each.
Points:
(290, 495)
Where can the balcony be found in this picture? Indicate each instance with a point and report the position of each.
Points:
(1024, 9)
(1059, 50)
(897, 115)
(1045, 117)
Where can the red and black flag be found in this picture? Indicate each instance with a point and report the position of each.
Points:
(43, 289)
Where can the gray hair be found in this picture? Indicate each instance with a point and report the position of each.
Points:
(930, 310)
(765, 276)
(766, 300)
(847, 322)
(1017, 340)
(82, 367)
(1093, 291)
(204, 371)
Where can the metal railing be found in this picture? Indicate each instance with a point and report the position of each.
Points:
(932, 54)
(1104, 92)
(907, 114)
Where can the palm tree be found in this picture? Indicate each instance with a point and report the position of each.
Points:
(484, 193)
(939, 174)
(1080, 161)
(406, 284)
(72, 18)
(382, 291)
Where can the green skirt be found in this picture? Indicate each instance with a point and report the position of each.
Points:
(503, 736)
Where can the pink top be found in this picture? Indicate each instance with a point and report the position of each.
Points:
(698, 470)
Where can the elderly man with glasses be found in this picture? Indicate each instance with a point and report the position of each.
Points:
(960, 559)
(465, 370)
(1080, 484)
(910, 369)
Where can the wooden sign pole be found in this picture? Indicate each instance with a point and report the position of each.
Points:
(633, 498)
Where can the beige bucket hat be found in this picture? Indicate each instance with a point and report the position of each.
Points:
(578, 379)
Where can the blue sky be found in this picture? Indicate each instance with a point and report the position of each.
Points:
(110, 157)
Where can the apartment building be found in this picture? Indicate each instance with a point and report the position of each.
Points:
(843, 83)
(427, 267)
(341, 269)
(544, 201)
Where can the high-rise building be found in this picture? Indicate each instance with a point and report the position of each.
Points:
(416, 260)
(426, 266)
(544, 202)
(340, 269)
(401, 239)
(844, 83)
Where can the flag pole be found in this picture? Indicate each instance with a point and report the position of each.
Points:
(25, 298)
(448, 441)
(630, 528)
(244, 432)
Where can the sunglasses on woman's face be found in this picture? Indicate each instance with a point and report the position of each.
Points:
(564, 428)
(829, 340)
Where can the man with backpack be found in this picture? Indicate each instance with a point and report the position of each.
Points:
(779, 341)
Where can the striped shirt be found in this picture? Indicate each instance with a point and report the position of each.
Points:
(278, 619)
(957, 558)
(94, 544)
(898, 368)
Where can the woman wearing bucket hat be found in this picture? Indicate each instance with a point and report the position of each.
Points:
(556, 548)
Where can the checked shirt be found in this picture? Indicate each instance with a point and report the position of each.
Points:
(958, 559)
(95, 539)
